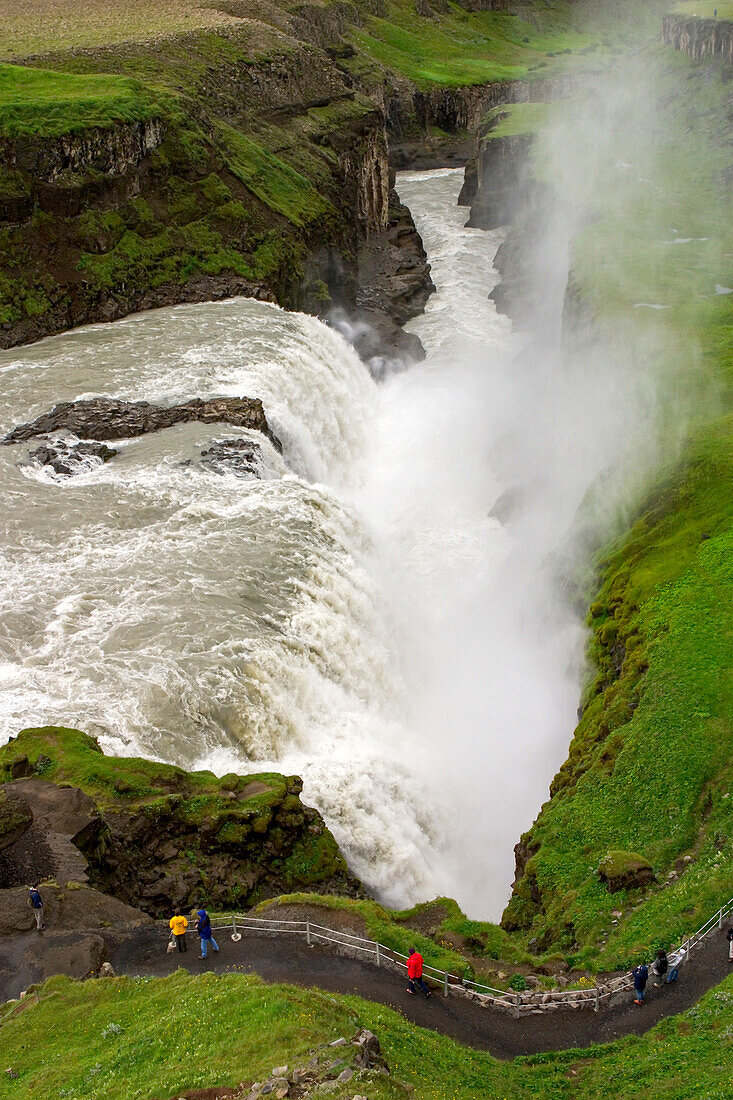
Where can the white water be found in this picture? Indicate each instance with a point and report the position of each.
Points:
(357, 616)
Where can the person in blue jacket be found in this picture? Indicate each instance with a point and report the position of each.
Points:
(641, 975)
(36, 903)
(203, 927)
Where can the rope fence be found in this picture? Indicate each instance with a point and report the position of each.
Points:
(517, 1003)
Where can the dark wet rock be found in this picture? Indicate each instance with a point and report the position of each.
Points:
(380, 342)
(510, 505)
(703, 40)
(16, 816)
(102, 418)
(393, 285)
(394, 273)
(69, 457)
(499, 185)
(240, 457)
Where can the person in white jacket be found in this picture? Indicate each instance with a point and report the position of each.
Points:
(675, 962)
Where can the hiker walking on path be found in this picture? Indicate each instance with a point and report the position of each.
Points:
(178, 926)
(641, 975)
(415, 979)
(36, 903)
(203, 927)
(659, 966)
(675, 963)
(730, 944)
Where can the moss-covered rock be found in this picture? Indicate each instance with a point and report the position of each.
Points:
(156, 836)
(625, 871)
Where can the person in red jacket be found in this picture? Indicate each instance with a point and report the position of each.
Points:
(415, 979)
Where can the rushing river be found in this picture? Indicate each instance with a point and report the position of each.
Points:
(357, 614)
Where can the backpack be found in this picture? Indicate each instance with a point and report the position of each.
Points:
(36, 901)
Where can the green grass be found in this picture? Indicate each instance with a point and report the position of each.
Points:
(705, 9)
(463, 47)
(442, 945)
(47, 103)
(513, 119)
(275, 183)
(63, 755)
(133, 1039)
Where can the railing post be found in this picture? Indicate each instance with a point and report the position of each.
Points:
(308, 933)
(234, 925)
(517, 1003)
(379, 961)
(597, 1005)
(445, 982)
(720, 918)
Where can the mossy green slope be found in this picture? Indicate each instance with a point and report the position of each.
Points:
(41, 101)
(130, 1039)
(442, 933)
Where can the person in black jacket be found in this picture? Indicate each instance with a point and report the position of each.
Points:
(641, 975)
(659, 966)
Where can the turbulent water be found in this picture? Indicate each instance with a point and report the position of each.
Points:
(357, 615)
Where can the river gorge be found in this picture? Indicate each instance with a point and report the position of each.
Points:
(372, 608)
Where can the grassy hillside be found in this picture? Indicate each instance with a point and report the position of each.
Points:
(458, 47)
(52, 103)
(133, 1039)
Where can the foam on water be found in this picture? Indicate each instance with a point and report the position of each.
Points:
(359, 615)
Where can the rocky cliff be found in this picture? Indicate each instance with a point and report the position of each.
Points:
(255, 163)
(701, 39)
(154, 836)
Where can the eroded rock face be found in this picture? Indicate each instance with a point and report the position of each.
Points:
(393, 285)
(103, 418)
(16, 817)
(67, 457)
(701, 39)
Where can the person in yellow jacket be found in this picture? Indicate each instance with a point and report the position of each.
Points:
(178, 926)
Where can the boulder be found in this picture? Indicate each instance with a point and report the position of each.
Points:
(620, 870)
(103, 418)
(68, 456)
(67, 909)
(241, 457)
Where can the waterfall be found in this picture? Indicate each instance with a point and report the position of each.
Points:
(370, 612)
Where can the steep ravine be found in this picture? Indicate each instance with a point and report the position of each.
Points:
(266, 177)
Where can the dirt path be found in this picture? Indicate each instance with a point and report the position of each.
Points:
(287, 959)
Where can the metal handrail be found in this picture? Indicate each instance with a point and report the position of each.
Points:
(531, 1001)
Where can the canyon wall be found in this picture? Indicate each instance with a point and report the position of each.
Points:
(701, 39)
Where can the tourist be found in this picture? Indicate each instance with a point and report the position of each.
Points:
(730, 944)
(203, 927)
(659, 966)
(414, 973)
(641, 975)
(36, 903)
(675, 963)
(178, 925)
